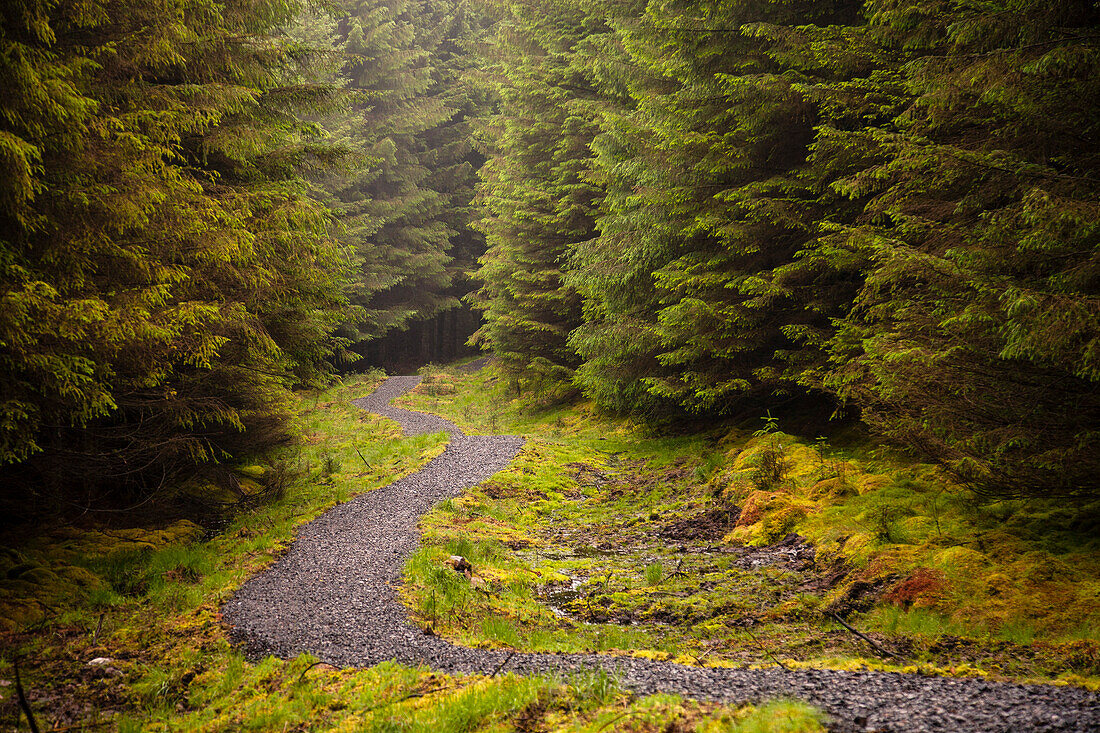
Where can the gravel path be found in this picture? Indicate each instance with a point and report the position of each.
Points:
(334, 594)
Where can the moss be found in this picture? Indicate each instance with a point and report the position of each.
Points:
(923, 588)
(916, 529)
(759, 503)
(18, 614)
(40, 576)
(254, 472)
(1041, 567)
(80, 577)
(859, 547)
(866, 483)
(960, 562)
(835, 487)
(16, 571)
(750, 535)
(778, 524)
(998, 584)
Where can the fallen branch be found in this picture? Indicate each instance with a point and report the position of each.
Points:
(303, 674)
(26, 706)
(630, 713)
(501, 665)
(675, 573)
(874, 645)
(765, 649)
(83, 726)
(410, 696)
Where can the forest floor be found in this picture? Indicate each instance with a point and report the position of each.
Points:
(332, 594)
(115, 624)
(749, 546)
(721, 548)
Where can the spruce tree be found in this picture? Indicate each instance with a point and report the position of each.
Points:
(409, 205)
(976, 337)
(165, 276)
(536, 195)
(713, 283)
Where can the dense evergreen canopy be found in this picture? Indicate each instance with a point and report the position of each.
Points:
(404, 210)
(890, 204)
(693, 206)
(165, 275)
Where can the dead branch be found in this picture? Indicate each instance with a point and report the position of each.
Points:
(765, 649)
(501, 665)
(26, 706)
(874, 645)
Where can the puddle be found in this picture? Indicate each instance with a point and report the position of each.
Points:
(580, 552)
(557, 597)
(793, 551)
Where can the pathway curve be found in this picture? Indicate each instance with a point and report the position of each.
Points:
(333, 594)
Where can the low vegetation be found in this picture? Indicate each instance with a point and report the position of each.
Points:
(748, 545)
(115, 624)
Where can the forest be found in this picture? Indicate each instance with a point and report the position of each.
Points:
(870, 226)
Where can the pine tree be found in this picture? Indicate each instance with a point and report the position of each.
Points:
(713, 281)
(405, 210)
(536, 195)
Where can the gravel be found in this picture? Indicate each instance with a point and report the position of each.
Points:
(334, 594)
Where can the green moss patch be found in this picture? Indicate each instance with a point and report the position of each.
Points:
(117, 627)
(601, 536)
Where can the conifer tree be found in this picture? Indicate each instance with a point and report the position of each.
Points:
(164, 275)
(891, 200)
(409, 205)
(536, 194)
(712, 283)
(976, 337)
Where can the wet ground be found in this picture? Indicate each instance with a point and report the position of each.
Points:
(334, 595)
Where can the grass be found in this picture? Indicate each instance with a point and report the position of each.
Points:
(593, 551)
(147, 599)
(654, 573)
(592, 540)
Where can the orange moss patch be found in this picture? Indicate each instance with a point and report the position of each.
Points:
(923, 588)
(757, 504)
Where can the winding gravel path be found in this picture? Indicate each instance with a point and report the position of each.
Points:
(333, 594)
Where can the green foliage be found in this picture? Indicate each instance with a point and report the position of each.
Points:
(711, 284)
(172, 668)
(654, 572)
(602, 537)
(888, 205)
(535, 194)
(164, 275)
(974, 337)
(404, 213)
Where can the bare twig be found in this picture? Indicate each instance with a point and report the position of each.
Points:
(303, 674)
(410, 696)
(364, 459)
(675, 572)
(501, 665)
(874, 645)
(618, 717)
(765, 649)
(26, 706)
(84, 726)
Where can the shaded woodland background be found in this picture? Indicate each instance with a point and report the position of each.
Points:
(887, 209)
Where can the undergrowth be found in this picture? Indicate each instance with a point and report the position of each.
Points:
(116, 625)
(601, 536)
